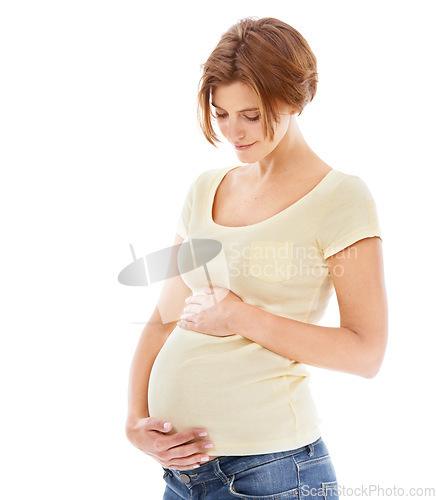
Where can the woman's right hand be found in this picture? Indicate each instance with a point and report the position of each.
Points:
(172, 451)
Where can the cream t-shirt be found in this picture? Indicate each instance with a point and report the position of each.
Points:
(250, 399)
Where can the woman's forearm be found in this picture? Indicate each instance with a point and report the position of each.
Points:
(325, 347)
(152, 339)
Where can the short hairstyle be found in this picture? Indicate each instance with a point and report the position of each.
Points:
(269, 56)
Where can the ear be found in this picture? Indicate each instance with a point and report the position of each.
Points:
(287, 109)
(292, 110)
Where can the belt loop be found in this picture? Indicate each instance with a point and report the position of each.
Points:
(168, 471)
(219, 472)
(310, 451)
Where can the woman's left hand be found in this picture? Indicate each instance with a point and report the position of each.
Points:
(211, 313)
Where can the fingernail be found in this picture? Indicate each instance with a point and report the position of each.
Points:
(167, 425)
(195, 466)
(202, 434)
(204, 459)
(210, 445)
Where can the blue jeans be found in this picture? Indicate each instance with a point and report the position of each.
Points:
(303, 473)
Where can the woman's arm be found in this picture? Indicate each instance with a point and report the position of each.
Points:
(153, 337)
(178, 450)
(358, 345)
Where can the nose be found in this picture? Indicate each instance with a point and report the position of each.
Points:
(235, 129)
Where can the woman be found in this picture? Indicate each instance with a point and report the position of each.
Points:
(221, 398)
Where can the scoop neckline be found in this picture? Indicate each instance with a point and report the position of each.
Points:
(217, 182)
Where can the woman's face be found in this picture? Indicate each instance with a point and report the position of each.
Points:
(238, 118)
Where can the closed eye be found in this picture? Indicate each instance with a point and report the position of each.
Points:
(247, 117)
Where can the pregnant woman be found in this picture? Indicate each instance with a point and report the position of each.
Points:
(219, 395)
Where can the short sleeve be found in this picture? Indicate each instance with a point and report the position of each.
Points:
(349, 216)
(182, 225)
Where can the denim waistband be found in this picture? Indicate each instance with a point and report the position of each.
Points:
(217, 466)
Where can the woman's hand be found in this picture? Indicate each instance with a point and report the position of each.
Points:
(170, 450)
(211, 313)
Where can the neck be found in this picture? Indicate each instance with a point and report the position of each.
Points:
(291, 156)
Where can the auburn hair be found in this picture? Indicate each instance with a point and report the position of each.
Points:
(269, 56)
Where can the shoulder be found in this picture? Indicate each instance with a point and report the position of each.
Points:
(207, 177)
(348, 213)
(347, 187)
(210, 174)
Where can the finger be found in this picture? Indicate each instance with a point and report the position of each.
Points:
(195, 299)
(187, 450)
(185, 324)
(183, 468)
(187, 463)
(157, 424)
(184, 437)
(189, 316)
(192, 308)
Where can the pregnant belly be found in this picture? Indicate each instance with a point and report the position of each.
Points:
(230, 386)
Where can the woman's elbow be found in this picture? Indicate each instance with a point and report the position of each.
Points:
(374, 359)
(371, 372)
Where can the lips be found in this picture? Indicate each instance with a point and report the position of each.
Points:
(244, 146)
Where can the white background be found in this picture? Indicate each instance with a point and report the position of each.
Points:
(99, 143)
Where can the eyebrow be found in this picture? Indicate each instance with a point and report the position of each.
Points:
(241, 111)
